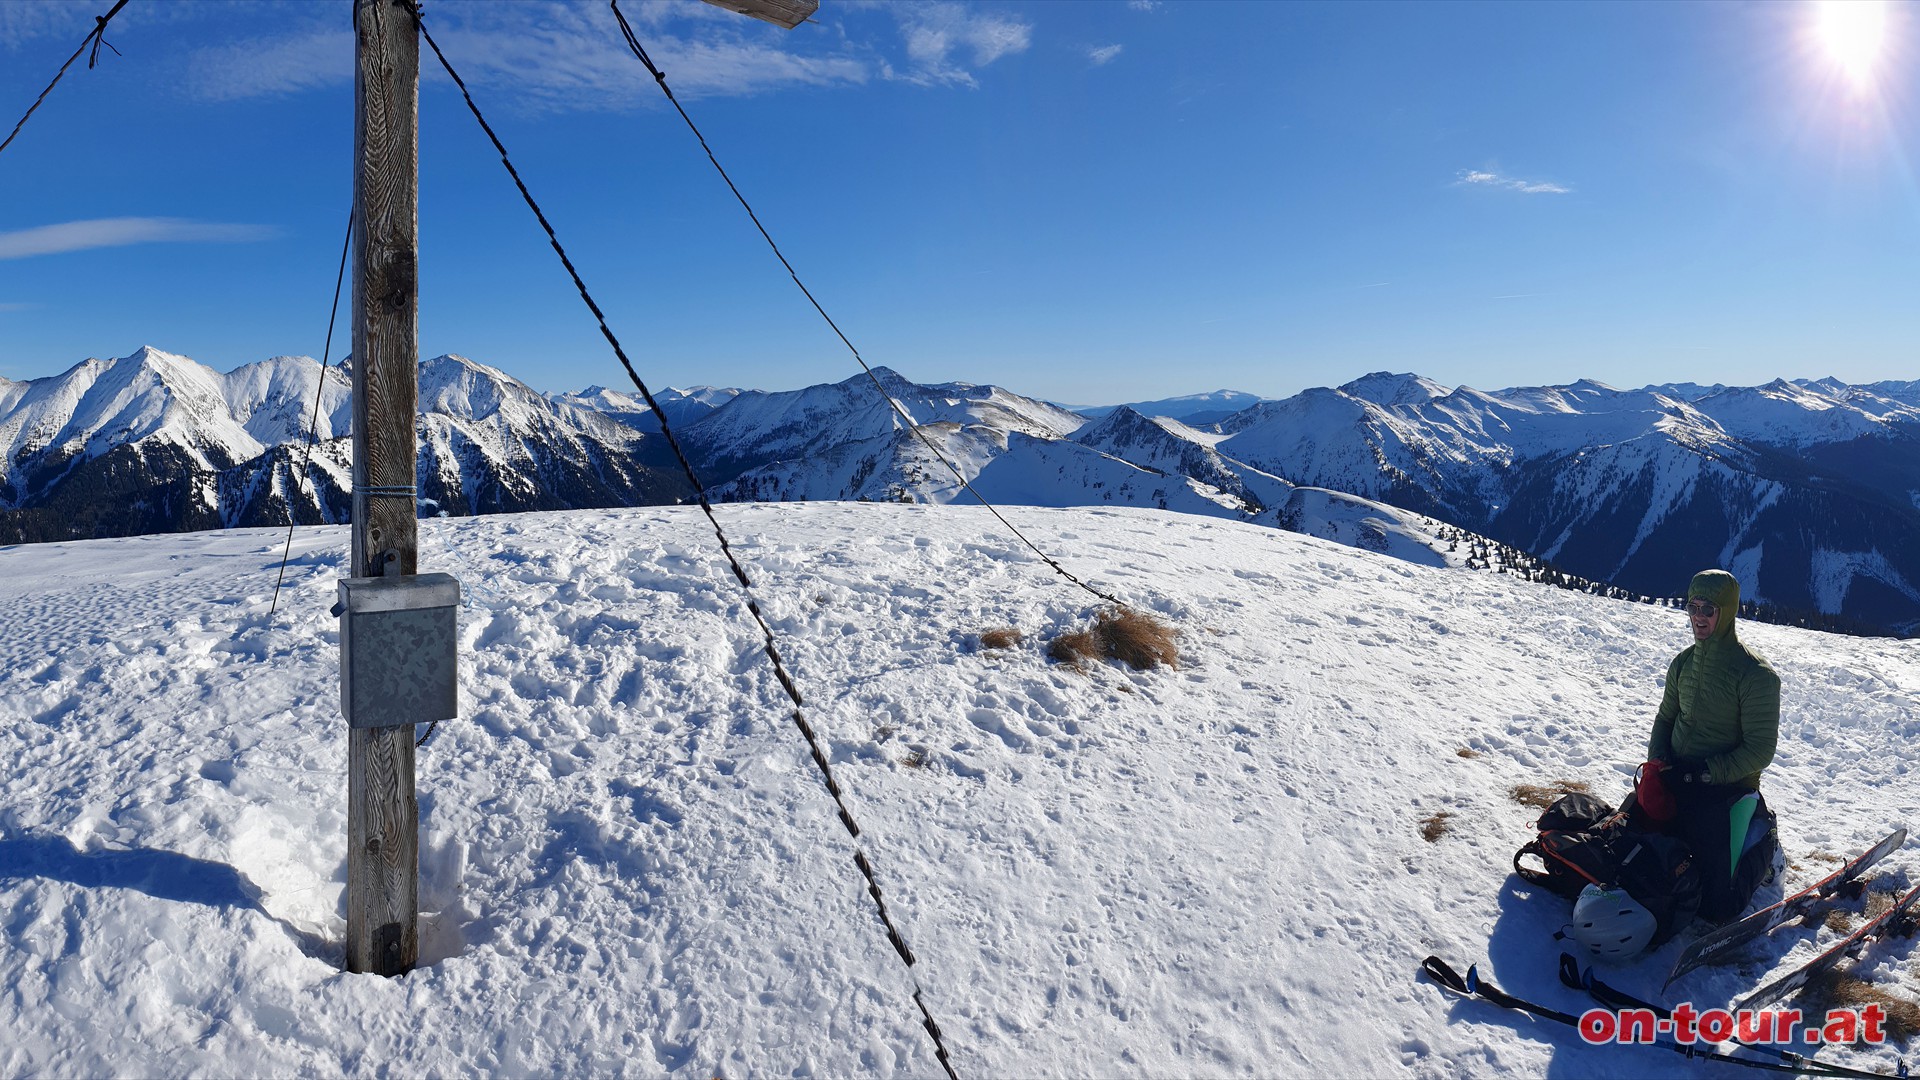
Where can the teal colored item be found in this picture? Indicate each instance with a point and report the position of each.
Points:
(1739, 817)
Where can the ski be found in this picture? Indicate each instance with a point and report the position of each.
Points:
(1894, 920)
(1619, 1001)
(1716, 946)
(1472, 985)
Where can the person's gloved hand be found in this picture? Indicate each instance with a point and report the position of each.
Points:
(1687, 771)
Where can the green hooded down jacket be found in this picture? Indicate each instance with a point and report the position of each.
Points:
(1722, 704)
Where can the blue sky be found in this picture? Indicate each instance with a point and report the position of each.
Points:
(1090, 202)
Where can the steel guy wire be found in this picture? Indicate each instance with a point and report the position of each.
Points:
(313, 426)
(97, 37)
(860, 859)
(633, 42)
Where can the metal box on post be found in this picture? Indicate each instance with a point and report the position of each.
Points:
(399, 638)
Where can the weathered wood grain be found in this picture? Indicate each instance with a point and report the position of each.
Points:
(383, 832)
(784, 13)
(383, 852)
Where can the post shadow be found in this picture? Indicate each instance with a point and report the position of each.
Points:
(163, 875)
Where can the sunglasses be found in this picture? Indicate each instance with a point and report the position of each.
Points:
(1703, 609)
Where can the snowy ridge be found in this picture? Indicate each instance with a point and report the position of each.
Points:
(154, 441)
(1636, 487)
(629, 865)
(1122, 459)
(756, 428)
(682, 406)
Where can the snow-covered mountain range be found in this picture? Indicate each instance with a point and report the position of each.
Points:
(154, 442)
(1808, 490)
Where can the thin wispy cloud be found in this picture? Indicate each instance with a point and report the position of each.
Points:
(260, 67)
(1484, 178)
(4, 308)
(1104, 54)
(1143, 5)
(124, 232)
(24, 21)
(939, 35)
(565, 55)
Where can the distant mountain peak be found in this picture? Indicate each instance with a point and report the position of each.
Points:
(1388, 388)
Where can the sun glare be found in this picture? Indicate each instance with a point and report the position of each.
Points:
(1853, 34)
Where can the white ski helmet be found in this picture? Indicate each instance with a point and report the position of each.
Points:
(1609, 924)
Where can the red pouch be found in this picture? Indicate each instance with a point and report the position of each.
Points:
(1650, 792)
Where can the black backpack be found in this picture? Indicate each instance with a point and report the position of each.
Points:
(1583, 841)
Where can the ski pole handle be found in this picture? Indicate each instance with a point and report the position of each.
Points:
(1438, 970)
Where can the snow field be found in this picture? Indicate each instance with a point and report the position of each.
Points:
(629, 864)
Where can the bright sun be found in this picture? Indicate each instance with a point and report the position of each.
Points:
(1853, 34)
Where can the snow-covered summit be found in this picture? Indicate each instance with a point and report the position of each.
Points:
(630, 865)
(682, 406)
(757, 428)
(155, 441)
(1387, 388)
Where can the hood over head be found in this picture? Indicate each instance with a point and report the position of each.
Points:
(1722, 590)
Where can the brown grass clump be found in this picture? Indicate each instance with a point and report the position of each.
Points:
(1137, 640)
(1879, 903)
(1006, 637)
(1074, 649)
(1542, 796)
(1467, 752)
(1878, 895)
(1436, 826)
(916, 758)
(1837, 990)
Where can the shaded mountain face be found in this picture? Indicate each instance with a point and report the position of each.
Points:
(154, 442)
(1808, 491)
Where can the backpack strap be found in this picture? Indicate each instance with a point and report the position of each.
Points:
(1527, 873)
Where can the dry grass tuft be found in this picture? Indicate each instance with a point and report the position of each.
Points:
(916, 758)
(1436, 826)
(1074, 649)
(1006, 637)
(1468, 753)
(1137, 640)
(1877, 895)
(1879, 903)
(1541, 796)
(1837, 990)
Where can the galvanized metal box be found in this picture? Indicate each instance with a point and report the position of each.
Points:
(399, 649)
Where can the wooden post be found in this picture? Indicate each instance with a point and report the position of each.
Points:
(383, 819)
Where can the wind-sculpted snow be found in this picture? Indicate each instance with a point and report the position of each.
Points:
(629, 865)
